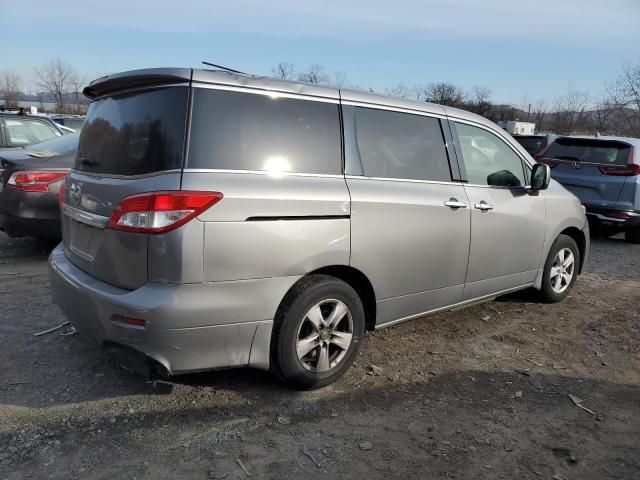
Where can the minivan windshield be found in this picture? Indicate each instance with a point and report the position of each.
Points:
(606, 152)
(134, 133)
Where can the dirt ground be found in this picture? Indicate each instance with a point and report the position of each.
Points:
(478, 393)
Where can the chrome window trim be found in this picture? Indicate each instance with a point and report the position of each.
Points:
(521, 187)
(381, 106)
(268, 93)
(82, 216)
(262, 172)
(126, 177)
(403, 180)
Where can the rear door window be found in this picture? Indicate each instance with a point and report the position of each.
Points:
(134, 133)
(397, 145)
(245, 131)
(604, 152)
(27, 131)
(487, 159)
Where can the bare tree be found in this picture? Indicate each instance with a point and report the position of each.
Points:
(569, 112)
(11, 88)
(77, 84)
(40, 97)
(625, 98)
(284, 71)
(443, 93)
(480, 102)
(339, 80)
(315, 74)
(539, 115)
(57, 77)
(400, 90)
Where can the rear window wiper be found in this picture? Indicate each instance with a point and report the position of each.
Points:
(567, 157)
(87, 162)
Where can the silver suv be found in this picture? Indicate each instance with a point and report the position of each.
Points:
(220, 220)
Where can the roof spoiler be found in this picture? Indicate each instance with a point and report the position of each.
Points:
(135, 78)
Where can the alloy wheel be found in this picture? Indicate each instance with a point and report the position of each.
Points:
(562, 270)
(324, 335)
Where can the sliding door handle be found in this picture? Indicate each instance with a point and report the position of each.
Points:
(454, 203)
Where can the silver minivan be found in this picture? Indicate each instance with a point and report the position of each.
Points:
(218, 220)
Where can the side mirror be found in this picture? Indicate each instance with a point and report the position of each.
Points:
(540, 176)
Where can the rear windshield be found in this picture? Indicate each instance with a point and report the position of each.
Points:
(531, 144)
(134, 133)
(593, 151)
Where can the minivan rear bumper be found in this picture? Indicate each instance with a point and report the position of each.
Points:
(190, 327)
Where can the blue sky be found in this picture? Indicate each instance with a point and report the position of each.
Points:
(515, 48)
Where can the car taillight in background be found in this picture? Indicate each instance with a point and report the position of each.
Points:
(630, 170)
(32, 181)
(160, 212)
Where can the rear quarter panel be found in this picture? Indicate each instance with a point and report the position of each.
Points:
(272, 225)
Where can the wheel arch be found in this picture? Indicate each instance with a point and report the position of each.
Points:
(356, 280)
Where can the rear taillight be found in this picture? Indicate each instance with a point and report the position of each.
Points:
(160, 212)
(29, 181)
(627, 171)
(630, 170)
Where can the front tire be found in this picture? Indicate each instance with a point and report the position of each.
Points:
(560, 269)
(317, 332)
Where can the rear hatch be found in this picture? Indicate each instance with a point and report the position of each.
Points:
(593, 169)
(131, 142)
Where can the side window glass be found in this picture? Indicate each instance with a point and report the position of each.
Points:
(244, 131)
(399, 145)
(488, 160)
(23, 131)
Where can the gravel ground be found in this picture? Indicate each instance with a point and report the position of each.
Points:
(478, 393)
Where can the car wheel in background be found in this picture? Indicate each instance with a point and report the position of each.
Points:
(560, 269)
(632, 235)
(317, 332)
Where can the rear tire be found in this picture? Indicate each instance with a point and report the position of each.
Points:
(632, 235)
(560, 269)
(317, 332)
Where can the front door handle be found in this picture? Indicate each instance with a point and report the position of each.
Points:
(454, 203)
(484, 206)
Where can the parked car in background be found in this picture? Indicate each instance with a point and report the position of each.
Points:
(74, 122)
(604, 172)
(534, 144)
(217, 220)
(30, 180)
(21, 129)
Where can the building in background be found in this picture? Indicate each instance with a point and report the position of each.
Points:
(518, 128)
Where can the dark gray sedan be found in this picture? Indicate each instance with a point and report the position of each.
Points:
(30, 180)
